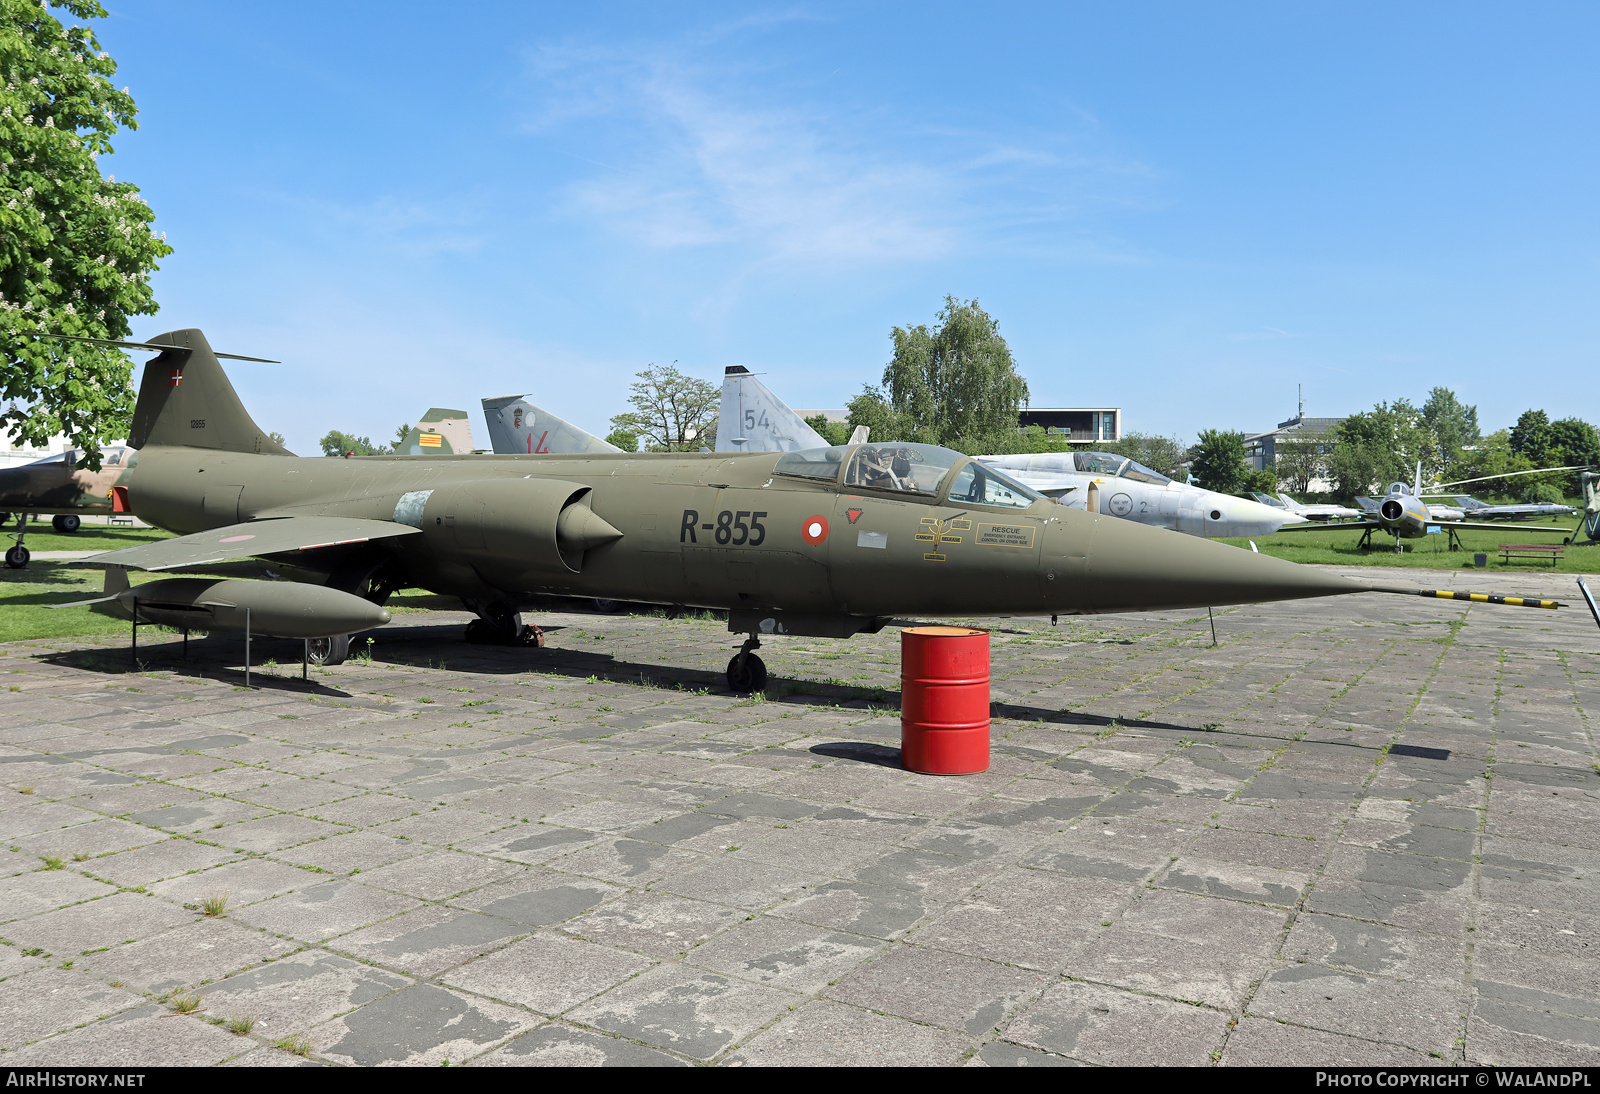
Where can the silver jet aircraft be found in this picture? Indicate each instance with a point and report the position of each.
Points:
(1309, 510)
(754, 419)
(1104, 482)
(1478, 510)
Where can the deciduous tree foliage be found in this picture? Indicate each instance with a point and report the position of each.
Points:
(671, 412)
(337, 443)
(1218, 461)
(76, 248)
(955, 385)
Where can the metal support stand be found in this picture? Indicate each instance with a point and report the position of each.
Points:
(186, 643)
(247, 647)
(135, 646)
(305, 656)
(1213, 619)
(1052, 619)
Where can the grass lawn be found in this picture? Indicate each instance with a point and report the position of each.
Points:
(26, 596)
(1338, 547)
(89, 537)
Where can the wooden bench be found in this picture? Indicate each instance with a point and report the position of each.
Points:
(1552, 551)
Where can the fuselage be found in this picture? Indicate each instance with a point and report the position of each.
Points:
(736, 532)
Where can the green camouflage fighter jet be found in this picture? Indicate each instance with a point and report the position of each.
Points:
(58, 485)
(825, 542)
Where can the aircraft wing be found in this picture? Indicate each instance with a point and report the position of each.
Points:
(1328, 526)
(253, 538)
(1502, 527)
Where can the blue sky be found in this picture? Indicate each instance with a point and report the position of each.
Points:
(1183, 210)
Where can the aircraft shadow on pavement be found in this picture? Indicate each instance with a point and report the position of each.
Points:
(275, 662)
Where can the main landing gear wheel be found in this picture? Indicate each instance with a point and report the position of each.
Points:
(18, 557)
(607, 607)
(66, 522)
(329, 651)
(747, 672)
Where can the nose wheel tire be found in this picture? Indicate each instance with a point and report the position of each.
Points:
(18, 557)
(329, 651)
(66, 522)
(747, 673)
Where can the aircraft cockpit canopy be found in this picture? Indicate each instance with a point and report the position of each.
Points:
(1107, 463)
(979, 484)
(903, 468)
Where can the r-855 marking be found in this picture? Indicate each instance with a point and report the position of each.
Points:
(728, 523)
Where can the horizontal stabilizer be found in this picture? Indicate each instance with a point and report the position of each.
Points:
(250, 540)
(150, 347)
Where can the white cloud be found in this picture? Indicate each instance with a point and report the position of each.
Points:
(698, 152)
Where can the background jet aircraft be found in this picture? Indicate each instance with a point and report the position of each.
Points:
(517, 427)
(1478, 510)
(754, 419)
(1403, 514)
(1370, 506)
(825, 542)
(1103, 482)
(59, 485)
(1309, 510)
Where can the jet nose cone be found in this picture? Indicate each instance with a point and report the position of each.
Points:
(1114, 565)
(1250, 518)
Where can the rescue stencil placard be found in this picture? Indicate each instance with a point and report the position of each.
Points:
(1005, 535)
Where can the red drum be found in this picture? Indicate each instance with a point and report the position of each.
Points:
(944, 700)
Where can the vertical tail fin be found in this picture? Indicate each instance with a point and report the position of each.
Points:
(440, 433)
(186, 400)
(517, 426)
(753, 419)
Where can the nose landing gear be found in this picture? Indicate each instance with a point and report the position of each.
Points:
(747, 672)
(18, 555)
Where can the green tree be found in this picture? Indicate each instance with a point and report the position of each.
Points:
(832, 432)
(1530, 437)
(1264, 481)
(955, 385)
(1573, 442)
(76, 249)
(399, 437)
(628, 442)
(1217, 461)
(671, 412)
(335, 443)
(1376, 447)
(1450, 428)
(1163, 454)
(1299, 461)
